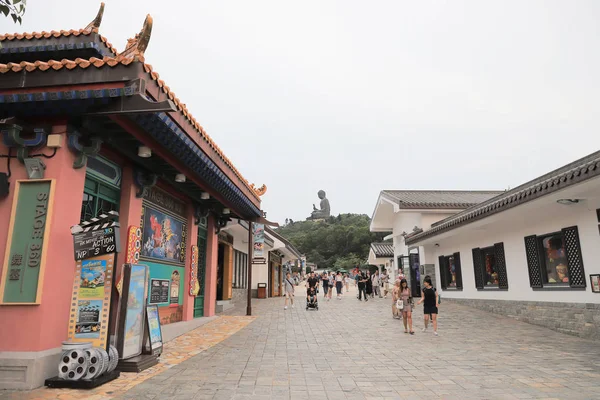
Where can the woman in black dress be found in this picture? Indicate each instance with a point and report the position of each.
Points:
(369, 283)
(430, 296)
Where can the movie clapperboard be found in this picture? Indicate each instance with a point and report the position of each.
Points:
(97, 236)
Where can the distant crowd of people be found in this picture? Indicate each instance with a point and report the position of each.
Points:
(371, 285)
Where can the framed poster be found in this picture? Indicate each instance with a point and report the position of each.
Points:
(132, 310)
(154, 329)
(163, 236)
(25, 258)
(92, 290)
(595, 283)
(159, 291)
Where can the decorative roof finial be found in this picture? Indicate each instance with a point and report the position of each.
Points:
(137, 45)
(95, 24)
(259, 191)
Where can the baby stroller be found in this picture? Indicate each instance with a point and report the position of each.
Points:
(311, 299)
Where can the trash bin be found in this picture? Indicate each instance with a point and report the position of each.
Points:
(262, 290)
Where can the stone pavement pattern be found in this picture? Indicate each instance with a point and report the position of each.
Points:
(355, 350)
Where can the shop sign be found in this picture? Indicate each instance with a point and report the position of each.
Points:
(258, 232)
(27, 242)
(159, 291)
(225, 237)
(166, 201)
(96, 241)
(90, 302)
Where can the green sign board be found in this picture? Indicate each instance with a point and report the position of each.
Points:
(27, 243)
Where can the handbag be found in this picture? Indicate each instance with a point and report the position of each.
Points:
(399, 304)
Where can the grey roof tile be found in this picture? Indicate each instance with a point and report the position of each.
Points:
(383, 249)
(439, 199)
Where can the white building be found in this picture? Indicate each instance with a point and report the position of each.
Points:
(532, 252)
(405, 212)
(382, 255)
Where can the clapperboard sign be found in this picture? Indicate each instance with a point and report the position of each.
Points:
(96, 237)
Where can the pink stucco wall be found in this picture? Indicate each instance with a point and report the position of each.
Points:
(44, 326)
(212, 254)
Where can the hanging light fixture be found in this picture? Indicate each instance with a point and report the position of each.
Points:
(205, 196)
(226, 211)
(144, 152)
(180, 178)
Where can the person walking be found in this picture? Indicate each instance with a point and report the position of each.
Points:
(395, 297)
(369, 285)
(362, 284)
(407, 307)
(289, 291)
(385, 283)
(431, 298)
(339, 284)
(347, 282)
(325, 283)
(376, 285)
(331, 286)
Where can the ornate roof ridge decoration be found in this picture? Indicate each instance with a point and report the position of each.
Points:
(137, 45)
(114, 61)
(92, 27)
(260, 190)
(95, 24)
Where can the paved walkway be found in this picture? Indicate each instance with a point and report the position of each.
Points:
(355, 350)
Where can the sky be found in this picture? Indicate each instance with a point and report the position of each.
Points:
(354, 97)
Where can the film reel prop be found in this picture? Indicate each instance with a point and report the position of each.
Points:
(113, 358)
(73, 364)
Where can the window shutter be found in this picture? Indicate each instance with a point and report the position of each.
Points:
(533, 261)
(574, 259)
(501, 265)
(478, 268)
(443, 271)
(459, 284)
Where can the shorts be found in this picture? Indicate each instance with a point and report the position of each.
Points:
(289, 295)
(338, 287)
(430, 310)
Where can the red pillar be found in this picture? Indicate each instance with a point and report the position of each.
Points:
(130, 212)
(192, 240)
(212, 256)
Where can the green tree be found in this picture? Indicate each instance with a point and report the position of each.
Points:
(14, 8)
(340, 242)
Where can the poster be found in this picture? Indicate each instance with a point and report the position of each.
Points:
(163, 236)
(134, 314)
(88, 319)
(159, 291)
(259, 241)
(175, 280)
(154, 330)
(93, 275)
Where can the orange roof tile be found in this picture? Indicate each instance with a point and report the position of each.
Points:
(119, 60)
(56, 34)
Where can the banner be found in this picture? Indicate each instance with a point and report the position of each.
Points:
(258, 232)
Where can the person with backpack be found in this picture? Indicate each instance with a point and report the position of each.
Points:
(431, 298)
(289, 290)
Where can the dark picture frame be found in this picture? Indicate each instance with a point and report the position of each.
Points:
(595, 282)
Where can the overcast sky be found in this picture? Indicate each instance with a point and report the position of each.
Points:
(358, 96)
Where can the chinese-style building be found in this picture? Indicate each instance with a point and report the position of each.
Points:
(86, 130)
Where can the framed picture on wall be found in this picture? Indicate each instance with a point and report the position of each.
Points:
(163, 236)
(595, 283)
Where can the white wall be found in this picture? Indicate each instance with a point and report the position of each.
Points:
(511, 227)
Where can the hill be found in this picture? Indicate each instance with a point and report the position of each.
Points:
(336, 243)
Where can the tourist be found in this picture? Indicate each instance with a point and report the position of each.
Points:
(395, 297)
(385, 283)
(311, 285)
(289, 291)
(369, 285)
(325, 283)
(347, 282)
(331, 285)
(339, 284)
(431, 298)
(376, 284)
(407, 307)
(362, 284)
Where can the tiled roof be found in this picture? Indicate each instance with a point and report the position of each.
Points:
(571, 174)
(438, 199)
(56, 34)
(383, 249)
(119, 60)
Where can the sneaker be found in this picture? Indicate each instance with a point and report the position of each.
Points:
(435, 333)
(292, 306)
(424, 330)
(285, 308)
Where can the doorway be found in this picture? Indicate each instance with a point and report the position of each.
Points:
(199, 299)
(220, 269)
(415, 274)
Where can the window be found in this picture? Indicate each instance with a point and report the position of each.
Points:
(450, 271)
(240, 266)
(555, 259)
(490, 267)
(102, 190)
